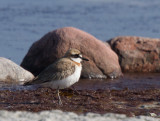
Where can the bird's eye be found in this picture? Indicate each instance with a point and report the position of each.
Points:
(76, 56)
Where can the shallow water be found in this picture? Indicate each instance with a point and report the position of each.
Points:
(130, 81)
(24, 22)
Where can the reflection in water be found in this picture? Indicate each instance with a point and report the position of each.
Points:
(129, 81)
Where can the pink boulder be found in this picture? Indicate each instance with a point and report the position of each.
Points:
(103, 61)
(137, 54)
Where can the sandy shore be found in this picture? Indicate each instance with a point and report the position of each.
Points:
(57, 115)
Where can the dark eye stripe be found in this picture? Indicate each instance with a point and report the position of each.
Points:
(76, 56)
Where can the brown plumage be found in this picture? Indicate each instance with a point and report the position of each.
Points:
(56, 71)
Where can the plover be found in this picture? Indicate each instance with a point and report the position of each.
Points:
(61, 74)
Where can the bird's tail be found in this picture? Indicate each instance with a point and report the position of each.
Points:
(27, 83)
(31, 82)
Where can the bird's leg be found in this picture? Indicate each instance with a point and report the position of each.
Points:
(59, 98)
(74, 89)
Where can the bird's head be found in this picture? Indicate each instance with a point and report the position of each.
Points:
(75, 55)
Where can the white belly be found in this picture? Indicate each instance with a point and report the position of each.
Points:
(67, 82)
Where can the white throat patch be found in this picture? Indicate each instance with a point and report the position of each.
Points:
(78, 60)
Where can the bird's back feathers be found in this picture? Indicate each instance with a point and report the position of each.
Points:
(56, 71)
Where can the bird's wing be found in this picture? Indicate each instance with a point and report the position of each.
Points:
(56, 71)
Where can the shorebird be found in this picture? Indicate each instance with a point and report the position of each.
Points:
(61, 74)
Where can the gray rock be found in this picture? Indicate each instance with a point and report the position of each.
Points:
(11, 72)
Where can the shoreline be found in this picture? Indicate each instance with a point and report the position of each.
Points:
(57, 115)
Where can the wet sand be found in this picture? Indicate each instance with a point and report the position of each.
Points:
(133, 95)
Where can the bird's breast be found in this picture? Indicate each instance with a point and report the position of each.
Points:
(68, 81)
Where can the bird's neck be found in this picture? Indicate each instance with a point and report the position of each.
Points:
(77, 61)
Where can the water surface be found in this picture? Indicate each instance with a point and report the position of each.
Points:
(23, 22)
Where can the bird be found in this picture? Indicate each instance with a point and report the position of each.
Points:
(61, 74)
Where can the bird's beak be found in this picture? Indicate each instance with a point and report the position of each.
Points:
(84, 59)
